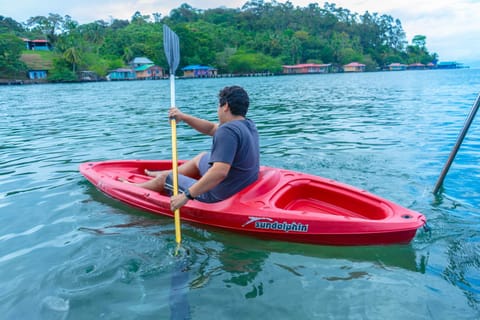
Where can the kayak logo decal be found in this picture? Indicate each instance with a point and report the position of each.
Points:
(270, 224)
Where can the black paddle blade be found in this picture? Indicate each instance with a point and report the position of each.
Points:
(171, 45)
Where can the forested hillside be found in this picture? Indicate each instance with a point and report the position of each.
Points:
(260, 36)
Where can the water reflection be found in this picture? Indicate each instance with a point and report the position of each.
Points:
(242, 257)
(462, 268)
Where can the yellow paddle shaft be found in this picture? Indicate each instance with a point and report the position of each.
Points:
(173, 124)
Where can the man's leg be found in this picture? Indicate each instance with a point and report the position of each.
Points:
(189, 169)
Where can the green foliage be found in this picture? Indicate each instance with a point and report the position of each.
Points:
(8, 25)
(417, 51)
(242, 62)
(100, 66)
(61, 72)
(11, 48)
(260, 36)
(419, 41)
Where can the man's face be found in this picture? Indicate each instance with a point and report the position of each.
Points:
(221, 111)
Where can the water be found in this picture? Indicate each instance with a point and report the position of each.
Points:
(69, 252)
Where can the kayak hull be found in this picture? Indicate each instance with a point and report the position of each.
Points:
(282, 204)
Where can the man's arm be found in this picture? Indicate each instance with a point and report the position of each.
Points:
(216, 174)
(201, 125)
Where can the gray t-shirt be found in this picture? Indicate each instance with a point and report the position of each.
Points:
(236, 143)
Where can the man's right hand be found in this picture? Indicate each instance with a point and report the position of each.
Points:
(176, 114)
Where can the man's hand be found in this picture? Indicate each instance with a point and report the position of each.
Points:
(178, 201)
(176, 113)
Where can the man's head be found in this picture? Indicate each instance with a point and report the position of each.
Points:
(237, 99)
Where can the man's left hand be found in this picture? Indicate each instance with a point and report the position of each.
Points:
(178, 201)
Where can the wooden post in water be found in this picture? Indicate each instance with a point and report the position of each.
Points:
(460, 138)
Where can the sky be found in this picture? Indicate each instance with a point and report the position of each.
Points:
(452, 27)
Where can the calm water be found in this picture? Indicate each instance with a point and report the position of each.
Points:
(69, 252)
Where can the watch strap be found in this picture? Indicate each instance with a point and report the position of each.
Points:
(188, 195)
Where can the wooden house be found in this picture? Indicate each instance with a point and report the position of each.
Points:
(306, 68)
(416, 66)
(140, 61)
(354, 67)
(397, 66)
(149, 72)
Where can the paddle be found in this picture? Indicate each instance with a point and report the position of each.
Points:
(460, 138)
(172, 52)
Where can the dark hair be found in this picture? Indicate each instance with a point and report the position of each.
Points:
(237, 99)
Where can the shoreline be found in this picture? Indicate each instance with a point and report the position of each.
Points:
(16, 82)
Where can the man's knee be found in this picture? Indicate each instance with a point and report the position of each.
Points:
(199, 157)
(160, 180)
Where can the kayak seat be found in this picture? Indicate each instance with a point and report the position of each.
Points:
(268, 179)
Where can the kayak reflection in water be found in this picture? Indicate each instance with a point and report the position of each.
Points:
(233, 161)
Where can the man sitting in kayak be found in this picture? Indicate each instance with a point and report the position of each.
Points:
(232, 163)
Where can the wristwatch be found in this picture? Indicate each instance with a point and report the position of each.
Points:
(188, 195)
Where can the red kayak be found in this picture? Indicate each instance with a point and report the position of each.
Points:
(283, 204)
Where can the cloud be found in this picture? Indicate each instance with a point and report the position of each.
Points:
(452, 33)
(452, 27)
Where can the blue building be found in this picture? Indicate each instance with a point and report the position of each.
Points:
(37, 45)
(198, 71)
(450, 65)
(37, 74)
(122, 74)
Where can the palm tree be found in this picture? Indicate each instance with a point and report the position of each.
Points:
(72, 55)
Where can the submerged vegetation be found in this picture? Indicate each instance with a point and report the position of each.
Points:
(258, 37)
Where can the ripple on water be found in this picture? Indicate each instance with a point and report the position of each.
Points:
(68, 251)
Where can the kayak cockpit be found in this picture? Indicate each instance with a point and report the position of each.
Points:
(312, 196)
(306, 194)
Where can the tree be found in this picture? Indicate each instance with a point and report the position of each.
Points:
(419, 41)
(72, 56)
(94, 33)
(49, 26)
(242, 62)
(10, 50)
(417, 52)
(61, 72)
(139, 18)
(260, 36)
(8, 25)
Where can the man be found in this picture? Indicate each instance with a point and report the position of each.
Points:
(232, 163)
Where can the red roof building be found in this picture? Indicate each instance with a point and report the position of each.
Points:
(416, 66)
(39, 44)
(306, 68)
(354, 67)
(397, 66)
